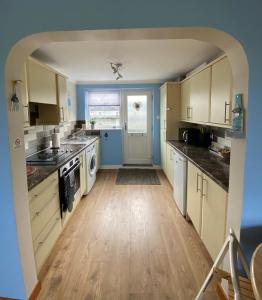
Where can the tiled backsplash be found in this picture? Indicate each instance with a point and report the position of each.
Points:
(38, 137)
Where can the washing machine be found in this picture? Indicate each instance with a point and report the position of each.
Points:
(90, 166)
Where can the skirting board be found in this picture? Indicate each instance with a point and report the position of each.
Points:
(104, 167)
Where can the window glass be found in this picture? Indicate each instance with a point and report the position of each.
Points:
(104, 108)
(137, 114)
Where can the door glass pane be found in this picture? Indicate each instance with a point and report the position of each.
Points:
(137, 114)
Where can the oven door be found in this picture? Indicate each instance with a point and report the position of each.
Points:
(69, 186)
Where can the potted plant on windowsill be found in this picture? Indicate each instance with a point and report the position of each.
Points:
(92, 124)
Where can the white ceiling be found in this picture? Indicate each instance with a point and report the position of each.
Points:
(143, 60)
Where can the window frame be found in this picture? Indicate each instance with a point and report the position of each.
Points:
(120, 106)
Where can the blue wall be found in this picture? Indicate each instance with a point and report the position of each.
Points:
(240, 18)
(111, 147)
(82, 104)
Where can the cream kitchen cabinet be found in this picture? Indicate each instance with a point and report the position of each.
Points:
(170, 163)
(186, 109)
(163, 150)
(221, 93)
(170, 109)
(194, 198)
(41, 82)
(207, 209)
(83, 174)
(44, 206)
(214, 212)
(62, 98)
(200, 96)
(98, 154)
(169, 117)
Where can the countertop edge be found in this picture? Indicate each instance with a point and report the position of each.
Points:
(56, 167)
(225, 188)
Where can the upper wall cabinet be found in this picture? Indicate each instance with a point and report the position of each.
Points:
(170, 109)
(41, 83)
(185, 101)
(221, 93)
(206, 95)
(200, 96)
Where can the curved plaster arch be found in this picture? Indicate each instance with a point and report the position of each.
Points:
(14, 70)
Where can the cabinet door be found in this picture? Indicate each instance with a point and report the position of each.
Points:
(214, 207)
(82, 173)
(221, 92)
(62, 98)
(163, 106)
(41, 84)
(194, 201)
(163, 149)
(200, 95)
(185, 100)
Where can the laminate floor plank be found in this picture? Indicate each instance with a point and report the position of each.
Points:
(126, 242)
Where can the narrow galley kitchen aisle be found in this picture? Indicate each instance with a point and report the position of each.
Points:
(126, 242)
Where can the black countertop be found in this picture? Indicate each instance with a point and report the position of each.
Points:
(42, 172)
(213, 166)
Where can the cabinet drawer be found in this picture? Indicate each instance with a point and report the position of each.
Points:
(42, 211)
(46, 240)
(44, 186)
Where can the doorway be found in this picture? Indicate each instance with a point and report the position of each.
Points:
(137, 111)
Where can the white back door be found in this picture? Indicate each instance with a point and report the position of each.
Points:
(137, 109)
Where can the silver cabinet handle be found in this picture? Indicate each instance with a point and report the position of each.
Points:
(197, 185)
(225, 116)
(164, 124)
(189, 112)
(202, 188)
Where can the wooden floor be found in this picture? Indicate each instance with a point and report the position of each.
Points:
(126, 242)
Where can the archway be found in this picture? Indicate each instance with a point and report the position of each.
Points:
(14, 70)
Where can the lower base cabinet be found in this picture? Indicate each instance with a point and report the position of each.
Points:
(46, 240)
(207, 209)
(46, 226)
(194, 199)
(214, 213)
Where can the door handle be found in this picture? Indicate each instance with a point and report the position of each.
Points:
(125, 126)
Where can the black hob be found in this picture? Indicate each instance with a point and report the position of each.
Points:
(50, 156)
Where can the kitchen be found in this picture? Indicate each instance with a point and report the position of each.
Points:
(216, 175)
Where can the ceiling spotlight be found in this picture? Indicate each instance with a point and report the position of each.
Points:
(115, 68)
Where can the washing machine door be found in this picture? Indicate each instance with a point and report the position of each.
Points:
(92, 164)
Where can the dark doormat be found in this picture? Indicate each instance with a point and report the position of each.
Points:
(137, 177)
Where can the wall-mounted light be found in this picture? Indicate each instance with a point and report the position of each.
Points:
(115, 67)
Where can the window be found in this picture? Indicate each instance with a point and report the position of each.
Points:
(104, 108)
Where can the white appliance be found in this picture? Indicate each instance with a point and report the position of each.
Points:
(180, 182)
(90, 167)
(90, 153)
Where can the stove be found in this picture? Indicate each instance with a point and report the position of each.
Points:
(50, 156)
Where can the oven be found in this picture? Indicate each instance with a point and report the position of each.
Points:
(69, 184)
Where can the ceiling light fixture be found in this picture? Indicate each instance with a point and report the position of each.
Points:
(115, 67)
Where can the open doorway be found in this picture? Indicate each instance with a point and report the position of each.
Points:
(14, 70)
